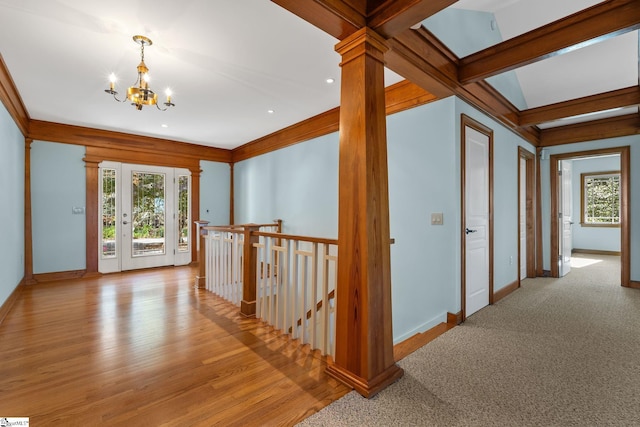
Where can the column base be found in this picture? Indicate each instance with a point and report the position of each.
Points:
(248, 309)
(367, 388)
(201, 282)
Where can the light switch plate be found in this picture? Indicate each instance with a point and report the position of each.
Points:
(436, 218)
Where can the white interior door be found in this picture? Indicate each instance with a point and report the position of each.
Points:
(565, 217)
(145, 212)
(476, 221)
(523, 219)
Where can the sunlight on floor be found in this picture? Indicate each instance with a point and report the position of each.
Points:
(583, 262)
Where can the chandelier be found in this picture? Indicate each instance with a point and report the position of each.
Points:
(140, 94)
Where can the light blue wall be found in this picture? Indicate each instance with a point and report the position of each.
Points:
(424, 176)
(469, 31)
(12, 203)
(58, 184)
(298, 184)
(634, 221)
(214, 192)
(593, 238)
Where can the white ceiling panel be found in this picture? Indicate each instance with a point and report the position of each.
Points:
(227, 62)
(602, 67)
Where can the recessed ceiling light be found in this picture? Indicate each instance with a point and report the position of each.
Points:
(330, 80)
(164, 125)
(271, 111)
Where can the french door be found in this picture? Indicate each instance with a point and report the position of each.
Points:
(145, 217)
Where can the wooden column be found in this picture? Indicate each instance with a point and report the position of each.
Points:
(364, 336)
(201, 235)
(91, 216)
(231, 196)
(249, 256)
(195, 208)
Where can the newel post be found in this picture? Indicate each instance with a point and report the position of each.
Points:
(202, 253)
(249, 257)
(364, 335)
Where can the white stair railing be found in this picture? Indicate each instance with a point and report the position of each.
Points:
(296, 281)
(224, 249)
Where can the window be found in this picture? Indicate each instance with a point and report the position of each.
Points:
(108, 213)
(600, 199)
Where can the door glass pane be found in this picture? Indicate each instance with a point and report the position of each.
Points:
(148, 213)
(108, 213)
(183, 213)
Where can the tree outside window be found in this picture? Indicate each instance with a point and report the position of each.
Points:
(600, 199)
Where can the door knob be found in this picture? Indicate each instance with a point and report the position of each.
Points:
(467, 231)
(125, 222)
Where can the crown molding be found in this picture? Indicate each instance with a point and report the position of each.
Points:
(398, 97)
(90, 137)
(11, 99)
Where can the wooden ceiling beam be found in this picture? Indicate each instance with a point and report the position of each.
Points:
(621, 98)
(612, 127)
(421, 58)
(592, 25)
(395, 16)
(335, 17)
(341, 18)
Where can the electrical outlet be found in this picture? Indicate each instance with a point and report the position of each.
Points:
(77, 210)
(511, 260)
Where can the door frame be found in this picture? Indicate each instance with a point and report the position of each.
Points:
(149, 155)
(466, 121)
(625, 241)
(171, 188)
(530, 186)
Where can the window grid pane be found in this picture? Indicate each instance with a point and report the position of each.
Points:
(602, 199)
(108, 213)
(183, 213)
(148, 213)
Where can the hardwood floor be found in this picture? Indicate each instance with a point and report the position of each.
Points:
(147, 348)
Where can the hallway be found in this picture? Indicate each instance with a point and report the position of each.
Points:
(556, 352)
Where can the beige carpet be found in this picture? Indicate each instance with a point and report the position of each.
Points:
(557, 352)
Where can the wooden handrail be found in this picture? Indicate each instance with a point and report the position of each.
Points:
(295, 237)
(236, 228)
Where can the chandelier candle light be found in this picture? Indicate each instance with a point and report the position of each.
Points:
(140, 94)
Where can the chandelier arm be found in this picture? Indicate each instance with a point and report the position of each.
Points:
(116, 98)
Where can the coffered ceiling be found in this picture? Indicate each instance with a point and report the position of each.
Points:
(231, 62)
